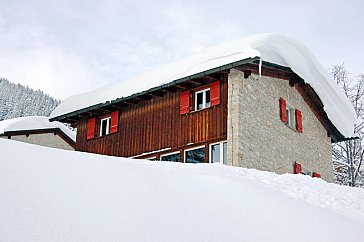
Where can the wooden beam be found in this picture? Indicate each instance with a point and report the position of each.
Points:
(194, 82)
(181, 87)
(212, 78)
(156, 94)
(247, 73)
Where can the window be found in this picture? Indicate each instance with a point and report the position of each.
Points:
(105, 126)
(290, 116)
(174, 157)
(291, 121)
(208, 97)
(108, 125)
(195, 155)
(202, 99)
(218, 153)
(299, 169)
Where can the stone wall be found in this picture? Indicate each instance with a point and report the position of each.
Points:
(257, 138)
(47, 139)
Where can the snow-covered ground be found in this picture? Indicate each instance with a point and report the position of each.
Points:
(55, 195)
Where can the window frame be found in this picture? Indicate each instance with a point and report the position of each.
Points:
(108, 123)
(204, 103)
(172, 153)
(194, 148)
(291, 116)
(221, 143)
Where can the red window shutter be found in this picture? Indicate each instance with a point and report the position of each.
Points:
(314, 174)
(299, 121)
(297, 168)
(91, 128)
(184, 102)
(215, 93)
(114, 122)
(282, 110)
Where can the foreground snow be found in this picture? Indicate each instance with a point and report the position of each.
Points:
(55, 195)
(274, 48)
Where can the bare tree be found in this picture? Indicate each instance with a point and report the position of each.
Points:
(348, 156)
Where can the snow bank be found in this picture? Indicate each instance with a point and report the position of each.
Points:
(33, 123)
(273, 48)
(55, 195)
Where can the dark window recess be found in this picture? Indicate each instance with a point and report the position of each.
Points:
(208, 99)
(199, 100)
(195, 156)
(287, 115)
(173, 157)
(104, 127)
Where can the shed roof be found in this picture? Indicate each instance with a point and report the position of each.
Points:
(32, 123)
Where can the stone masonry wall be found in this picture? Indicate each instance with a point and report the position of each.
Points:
(47, 139)
(257, 138)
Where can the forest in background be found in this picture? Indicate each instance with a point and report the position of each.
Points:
(17, 100)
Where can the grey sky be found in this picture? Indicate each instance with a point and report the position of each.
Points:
(68, 47)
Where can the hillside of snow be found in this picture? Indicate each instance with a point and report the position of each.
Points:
(56, 195)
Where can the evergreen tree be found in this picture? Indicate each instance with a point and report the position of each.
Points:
(17, 100)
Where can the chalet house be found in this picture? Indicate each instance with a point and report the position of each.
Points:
(38, 130)
(261, 102)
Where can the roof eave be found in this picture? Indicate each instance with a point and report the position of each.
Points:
(64, 117)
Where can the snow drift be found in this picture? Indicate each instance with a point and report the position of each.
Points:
(56, 195)
(272, 48)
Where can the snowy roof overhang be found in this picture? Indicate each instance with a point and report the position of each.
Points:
(271, 48)
(151, 90)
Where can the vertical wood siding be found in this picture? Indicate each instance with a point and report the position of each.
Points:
(157, 124)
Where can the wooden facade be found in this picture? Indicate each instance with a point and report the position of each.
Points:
(153, 123)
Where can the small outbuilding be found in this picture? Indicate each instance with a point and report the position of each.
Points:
(39, 131)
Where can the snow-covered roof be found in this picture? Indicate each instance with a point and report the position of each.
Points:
(33, 123)
(273, 48)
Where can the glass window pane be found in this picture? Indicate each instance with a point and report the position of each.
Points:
(225, 152)
(292, 118)
(207, 98)
(195, 156)
(215, 153)
(173, 158)
(199, 100)
(103, 127)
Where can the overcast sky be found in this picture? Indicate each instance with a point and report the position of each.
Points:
(69, 47)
